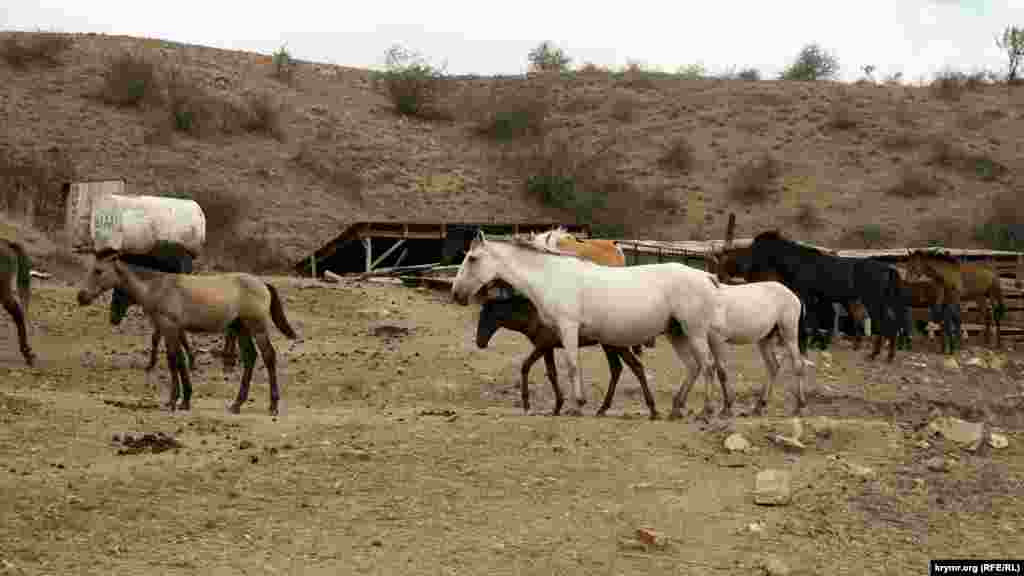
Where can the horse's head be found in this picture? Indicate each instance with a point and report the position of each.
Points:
(101, 277)
(478, 269)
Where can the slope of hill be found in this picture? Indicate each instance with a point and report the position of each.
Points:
(833, 164)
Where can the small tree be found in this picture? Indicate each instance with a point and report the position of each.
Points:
(413, 84)
(547, 57)
(813, 63)
(1013, 43)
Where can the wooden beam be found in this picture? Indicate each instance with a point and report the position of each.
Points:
(386, 253)
(1020, 271)
(312, 264)
(368, 248)
(401, 257)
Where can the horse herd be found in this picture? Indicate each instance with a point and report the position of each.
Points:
(559, 292)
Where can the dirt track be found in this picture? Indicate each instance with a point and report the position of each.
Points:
(407, 454)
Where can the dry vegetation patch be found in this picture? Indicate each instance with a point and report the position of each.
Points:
(915, 183)
(31, 184)
(41, 48)
(754, 181)
(678, 155)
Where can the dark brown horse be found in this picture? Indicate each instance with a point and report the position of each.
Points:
(238, 303)
(517, 313)
(16, 291)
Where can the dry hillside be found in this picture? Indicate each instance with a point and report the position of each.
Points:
(835, 164)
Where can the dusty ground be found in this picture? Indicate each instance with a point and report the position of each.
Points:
(408, 455)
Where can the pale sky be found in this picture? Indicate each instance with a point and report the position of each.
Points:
(916, 37)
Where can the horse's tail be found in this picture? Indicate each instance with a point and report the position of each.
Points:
(277, 313)
(801, 328)
(24, 280)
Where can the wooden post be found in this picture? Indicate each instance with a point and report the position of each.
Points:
(730, 233)
(386, 253)
(368, 247)
(312, 264)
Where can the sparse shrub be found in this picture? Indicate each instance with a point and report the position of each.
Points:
(1003, 229)
(808, 216)
(622, 108)
(264, 116)
(131, 80)
(341, 176)
(948, 86)
(866, 236)
(1012, 42)
(564, 173)
(515, 114)
(754, 181)
(679, 155)
(635, 76)
(945, 154)
(43, 48)
(749, 74)
(894, 79)
(813, 63)
(546, 57)
(692, 72)
(413, 84)
(31, 184)
(284, 66)
(841, 115)
(915, 184)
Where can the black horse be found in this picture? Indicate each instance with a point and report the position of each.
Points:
(165, 257)
(816, 276)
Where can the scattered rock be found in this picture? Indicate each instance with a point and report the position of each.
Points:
(651, 538)
(937, 464)
(355, 453)
(787, 442)
(997, 362)
(860, 470)
(244, 445)
(924, 444)
(950, 363)
(976, 361)
(997, 440)
(772, 566)
(773, 487)
(968, 435)
(389, 328)
(254, 459)
(153, 443)
(756, 527)
(735, 442)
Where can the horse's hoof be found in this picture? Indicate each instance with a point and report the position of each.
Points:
(185, 406)
(675, 414)
(167, 407)
(574, 412)
(725, 413)
(655, 416)
(272, 411)
(600, 412)
(234, 409)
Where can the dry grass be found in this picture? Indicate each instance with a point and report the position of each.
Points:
(678, 155)
(808, 217)
(31, 185)
(915, 183)
(132, 81)
(43, 48)
(947, 155)
(754, 181)
(513, 114)
(339, 175)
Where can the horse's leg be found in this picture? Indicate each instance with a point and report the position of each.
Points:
(638, 370)
(771, 363)
(524, 376)
(697, 344)
(188, 351)
(175, 364)
(692, 365)
(154, 348)
(615, 367)
(229, 356)
(248, 352)
(717, 348)
(877, 314)
(570, 333)
(800, 369)
(552, 371)
(18, 315)
(270, 362)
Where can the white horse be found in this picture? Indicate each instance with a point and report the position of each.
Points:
(619, 306)
(758, 312)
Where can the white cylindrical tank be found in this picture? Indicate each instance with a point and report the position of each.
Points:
(134, 224)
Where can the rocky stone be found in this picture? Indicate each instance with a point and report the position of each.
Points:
(773, 487)
(735, 442)
(937, 464)
(968, 435)
(997, 440)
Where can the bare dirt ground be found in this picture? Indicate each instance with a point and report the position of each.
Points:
(407, 454)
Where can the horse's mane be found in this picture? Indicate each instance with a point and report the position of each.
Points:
(106, 253)
(529, 244)
(777, 236)
(553, 236)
